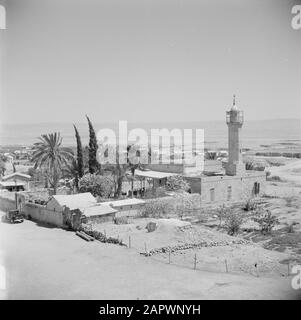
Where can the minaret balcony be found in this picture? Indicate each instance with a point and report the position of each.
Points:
(235, 117)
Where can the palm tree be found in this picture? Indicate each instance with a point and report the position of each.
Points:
(71, 171)
(49, 153)
(118, 172)
(3, 160)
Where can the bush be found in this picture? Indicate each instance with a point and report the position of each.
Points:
(157, 208)
(274, 178)
(256, 164)
(175, 183)
(233, 223)
(98, 185)
(210, 155)
(222, 213)
(121, 220)
(266, 221)
(185, 203)
(250, 204)
(100, 236)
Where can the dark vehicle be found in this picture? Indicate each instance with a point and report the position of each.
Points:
(13, 216)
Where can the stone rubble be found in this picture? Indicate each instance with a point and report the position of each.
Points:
(186, 246)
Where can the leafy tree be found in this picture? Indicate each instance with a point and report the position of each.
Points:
(120, 170)
(98, 185)
(133, 164)
(175, 183)
(233, 223)
(50, 155)
(94, 166)
(157, 208)
(80, 159)
(70, 171)
(210, 155)
(2, 165)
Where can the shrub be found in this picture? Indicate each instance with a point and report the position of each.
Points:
(250, 204)
(157, 208)
(175, 183)
(186, 203)
(222, 213)
(266, 221)
(121, 220)
(255, 164)
(274, 178)
(233, 223)
(100, 236)
(210, 155)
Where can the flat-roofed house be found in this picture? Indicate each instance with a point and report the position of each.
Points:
(99, 213)
(126, 207)
(71, 201)
(158, 178)
(81, 208)
(16, 181)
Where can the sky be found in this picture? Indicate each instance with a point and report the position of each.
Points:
(148, 60)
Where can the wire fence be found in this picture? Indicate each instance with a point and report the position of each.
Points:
(192, 258)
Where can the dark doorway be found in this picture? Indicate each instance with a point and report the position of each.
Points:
(256, 188)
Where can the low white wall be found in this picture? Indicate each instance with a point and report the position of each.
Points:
(7, 204)
(40, 213)
(36, 212)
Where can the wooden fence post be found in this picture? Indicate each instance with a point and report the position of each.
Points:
(195, 261)
(226, 265)
(257, 274)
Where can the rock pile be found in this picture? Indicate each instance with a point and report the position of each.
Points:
(186, 246)
(151, 226)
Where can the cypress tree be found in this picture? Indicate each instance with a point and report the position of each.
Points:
(94, 166)
(80, 160)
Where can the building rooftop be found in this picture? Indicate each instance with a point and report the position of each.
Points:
(154, 174)
(12, 184)
(76, 201)
(15, 175)
(98, 210)
(124, 202)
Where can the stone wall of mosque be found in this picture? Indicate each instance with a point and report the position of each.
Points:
(222, 189)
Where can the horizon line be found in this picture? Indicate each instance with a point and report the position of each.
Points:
(144, 122)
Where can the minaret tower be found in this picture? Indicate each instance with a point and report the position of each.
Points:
(234, 119)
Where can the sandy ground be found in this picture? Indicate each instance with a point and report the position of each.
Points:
(291, 171)
(51, 263)
(241, 258)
